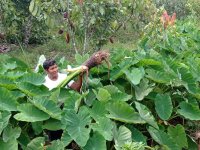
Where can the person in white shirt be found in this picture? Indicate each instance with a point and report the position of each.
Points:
(54, 78)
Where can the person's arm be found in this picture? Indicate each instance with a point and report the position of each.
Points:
(78, 84)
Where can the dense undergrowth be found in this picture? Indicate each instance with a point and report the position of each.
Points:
(149, 101)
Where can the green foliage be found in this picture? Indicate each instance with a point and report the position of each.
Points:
(152, 94)
(177, 6)
(92, 22)
(163, 106)
(18, 24)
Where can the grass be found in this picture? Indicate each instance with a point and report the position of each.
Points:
(57, 48)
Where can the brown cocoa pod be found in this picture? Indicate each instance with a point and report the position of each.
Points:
(60, 31)
(111, 40)
(2, 36)
(67, 38)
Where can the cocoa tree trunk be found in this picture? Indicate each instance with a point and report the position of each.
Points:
(27, 30)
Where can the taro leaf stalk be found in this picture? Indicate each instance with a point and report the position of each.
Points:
(96, 59)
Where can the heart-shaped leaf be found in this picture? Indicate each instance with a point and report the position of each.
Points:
(76, 125)
(30, 113)
(146, 114)
(163, 106)
(123, 112)
(189, 111)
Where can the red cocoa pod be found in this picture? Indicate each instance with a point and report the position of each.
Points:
(65, 15)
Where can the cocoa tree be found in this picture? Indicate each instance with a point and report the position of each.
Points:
(91, 23)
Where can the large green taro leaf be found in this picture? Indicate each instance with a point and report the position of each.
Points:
(121, 136)
(4, 119)
(30, 113)
(56, 145)
(103, 95)
(7, 82)
(76, 125)
(10, 133)
(116, 94)
(53, 124)
(192, 145)
(33, 78)
(120, 97)
(119, 70)
(146, 114)
(178, 134)
(158, 76)
(189, 111)
(163, 138)
(143, 89)
(149, 62)
(137, 135)
(96, 142)
(10, 145)
(104, 126)
(14, 74)
(135, 75)
(7, 101)
(32, 90)
(80, 59)
(163, 106)
(98, 110)
(17, 94)
(66, 138)
(188, 80)
(36, 144)
(37, 127)
(48, 106)
(123, 112)
(112, 89)
(72, 100)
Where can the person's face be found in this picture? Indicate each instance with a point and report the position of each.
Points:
(52, 71)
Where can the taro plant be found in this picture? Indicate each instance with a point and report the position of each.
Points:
(146, 103)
